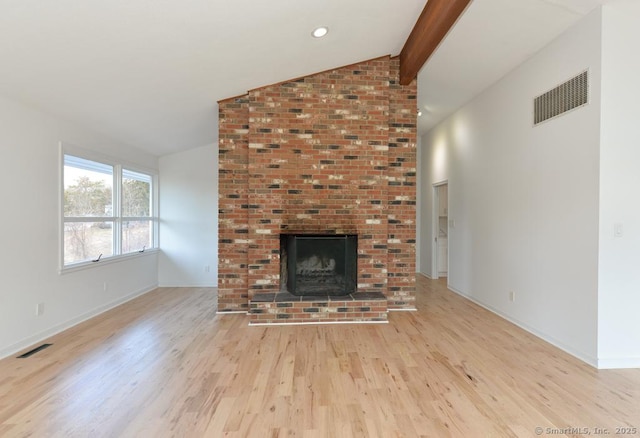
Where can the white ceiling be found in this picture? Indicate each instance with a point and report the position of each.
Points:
(149, 72)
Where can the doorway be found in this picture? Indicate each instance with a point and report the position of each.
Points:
(440, 230)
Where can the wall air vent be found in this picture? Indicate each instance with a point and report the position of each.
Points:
(567, 96)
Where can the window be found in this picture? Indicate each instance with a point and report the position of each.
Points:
(137, 222)
(108, 210)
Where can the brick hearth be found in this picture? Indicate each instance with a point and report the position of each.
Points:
(331, 153)
(270, 308)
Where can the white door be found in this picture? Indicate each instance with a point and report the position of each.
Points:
(440, 230)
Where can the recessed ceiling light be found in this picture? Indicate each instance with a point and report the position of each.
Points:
(320, 32)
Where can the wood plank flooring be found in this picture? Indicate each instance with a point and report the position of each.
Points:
(165, 365)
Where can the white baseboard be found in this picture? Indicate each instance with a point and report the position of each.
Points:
(545, 337)
(618, 363)
(41, 336)
(214, 285)
(278, 324)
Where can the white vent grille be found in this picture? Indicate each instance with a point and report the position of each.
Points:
(572, 94)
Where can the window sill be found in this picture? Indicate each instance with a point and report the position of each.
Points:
(106, 261)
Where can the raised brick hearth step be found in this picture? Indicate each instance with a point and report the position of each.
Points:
(285, 308)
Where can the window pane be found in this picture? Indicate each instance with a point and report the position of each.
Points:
(85, 241)
(136, 235)
(88, 188)
(136, 194)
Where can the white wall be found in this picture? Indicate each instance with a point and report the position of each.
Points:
(524, 199)
(29, 188)
(189, 218)
(619, 273)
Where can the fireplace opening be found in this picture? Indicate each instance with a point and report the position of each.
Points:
(312, 264)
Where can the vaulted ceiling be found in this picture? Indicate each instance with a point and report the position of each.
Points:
(492, 38)
(149, 72)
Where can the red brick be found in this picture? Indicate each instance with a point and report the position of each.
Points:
(378, 128)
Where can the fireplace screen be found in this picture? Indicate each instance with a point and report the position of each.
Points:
(319, 264)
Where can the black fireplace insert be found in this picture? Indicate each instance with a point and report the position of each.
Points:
(318, 265)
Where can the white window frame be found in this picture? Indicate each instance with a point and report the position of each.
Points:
(118, 167)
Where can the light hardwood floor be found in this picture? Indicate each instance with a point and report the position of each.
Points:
(166, 365)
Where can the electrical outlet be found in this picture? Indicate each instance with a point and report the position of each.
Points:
(512, 296)
(618, 230)
(105, 286)
(207, 268)
(39, 309)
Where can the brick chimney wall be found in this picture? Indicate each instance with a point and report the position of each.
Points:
(331, 153)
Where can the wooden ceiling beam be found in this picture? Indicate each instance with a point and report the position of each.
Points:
(437, 17)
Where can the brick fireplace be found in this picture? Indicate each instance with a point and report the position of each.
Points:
(329, 154)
